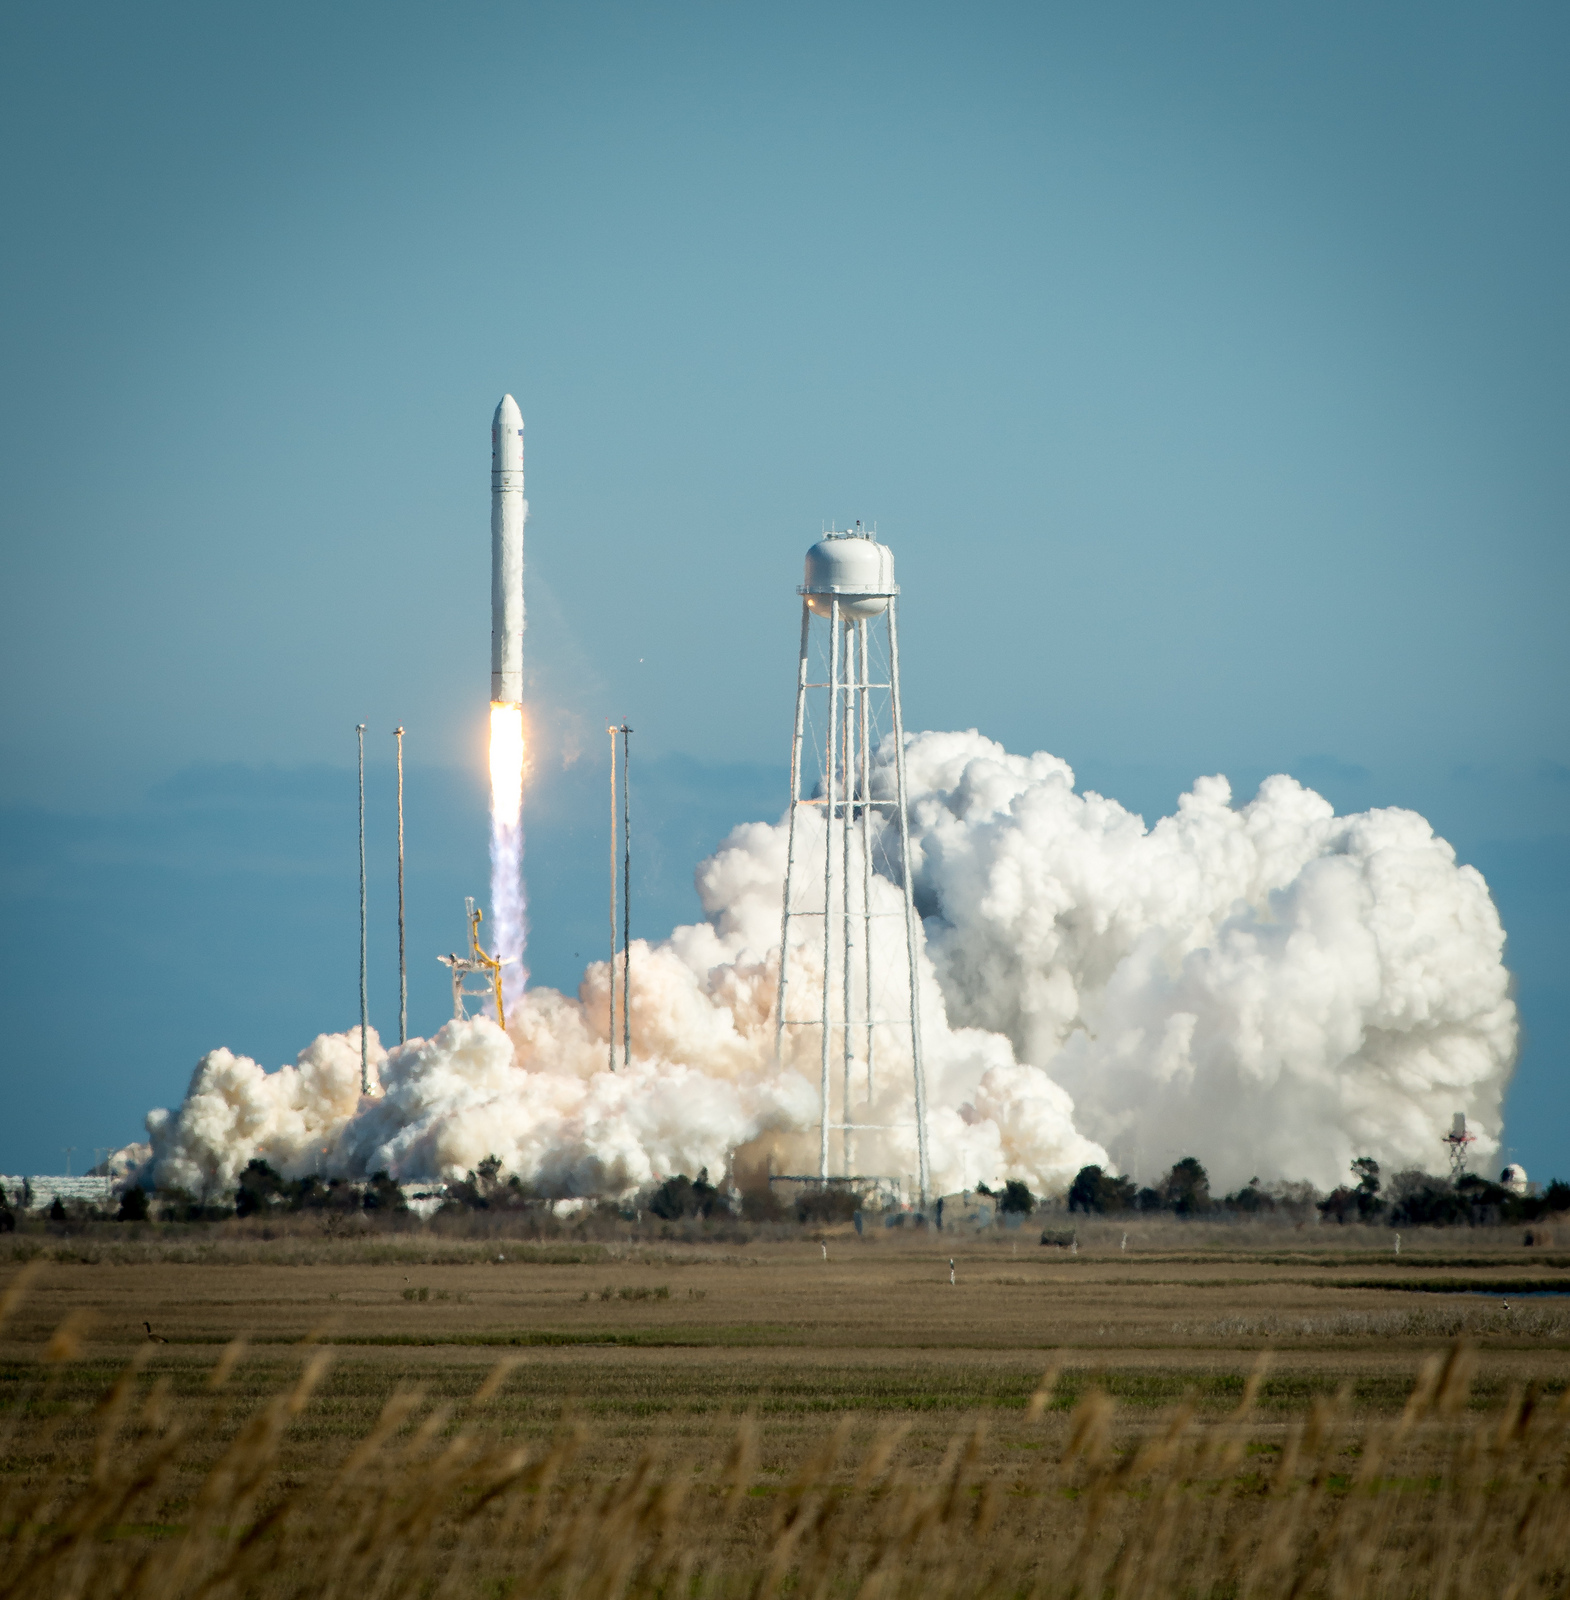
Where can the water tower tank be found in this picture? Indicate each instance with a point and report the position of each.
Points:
(855, 566)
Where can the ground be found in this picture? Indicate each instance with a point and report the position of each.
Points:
(672, 1342)
(637, 1336)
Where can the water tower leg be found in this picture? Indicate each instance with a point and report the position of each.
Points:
(925, 1173)
(865, 678)
(848, 785)
(790, 831)
(831, 753)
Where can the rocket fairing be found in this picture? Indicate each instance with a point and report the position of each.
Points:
(508, 511)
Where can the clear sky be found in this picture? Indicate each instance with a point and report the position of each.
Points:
(1205, 365)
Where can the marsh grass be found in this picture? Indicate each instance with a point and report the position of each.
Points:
(232, 1244)
(1479, 1319)
(433, 1500)
(606, 1237)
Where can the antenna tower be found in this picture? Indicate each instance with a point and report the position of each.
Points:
(1456, 1142)
(850, 587)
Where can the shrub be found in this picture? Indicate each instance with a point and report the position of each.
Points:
(827, 1205)
(1487, 1202)
(180, 1205)
(1554, 1200)
(261, 1188)
(1095, 1190)
(1369, 1206)
(1084, 1193)
(1422, 1200)
(1186, 1188)
(1250, 1199)
(763, 1205)
(682, 1196)
(133, 1205)
(1339, 1204)
(486, 1190)
(1361, 1204)
(382, 1194)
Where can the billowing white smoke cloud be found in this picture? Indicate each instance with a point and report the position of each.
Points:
(1272, 989)
(234, 1110)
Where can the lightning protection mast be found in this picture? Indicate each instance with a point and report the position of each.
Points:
(623, 732)
(850, 587)
(365, 1015)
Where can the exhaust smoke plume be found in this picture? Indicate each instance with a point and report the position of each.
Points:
(1273, 989)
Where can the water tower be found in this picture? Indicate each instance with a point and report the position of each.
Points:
(840, 718)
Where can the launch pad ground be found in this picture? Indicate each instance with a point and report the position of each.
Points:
(631, 1369)
(679, 1339)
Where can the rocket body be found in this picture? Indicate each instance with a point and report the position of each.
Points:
(508, 511)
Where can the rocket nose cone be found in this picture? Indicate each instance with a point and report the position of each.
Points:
(507, 445)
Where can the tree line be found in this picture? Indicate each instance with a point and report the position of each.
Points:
(1415, 1199)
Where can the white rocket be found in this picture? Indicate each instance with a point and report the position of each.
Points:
(508, 510)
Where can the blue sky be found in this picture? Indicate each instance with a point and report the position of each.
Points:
(1205, 366)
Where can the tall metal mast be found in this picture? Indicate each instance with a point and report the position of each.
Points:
(610, 1027)
(403, 970)
(626, 901)
(365, 1062)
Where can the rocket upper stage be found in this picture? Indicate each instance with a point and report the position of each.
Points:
(508, 511)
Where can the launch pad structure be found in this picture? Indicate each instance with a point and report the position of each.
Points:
(850, 586)
(479, 962)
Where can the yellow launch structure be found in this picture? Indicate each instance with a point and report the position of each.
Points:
(486, 961)
(476, 961)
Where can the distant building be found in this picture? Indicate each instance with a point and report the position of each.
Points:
(91, 1191)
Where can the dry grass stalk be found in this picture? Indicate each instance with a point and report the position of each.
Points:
(1437, 1501)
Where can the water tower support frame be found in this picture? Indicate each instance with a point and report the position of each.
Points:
(847, 797)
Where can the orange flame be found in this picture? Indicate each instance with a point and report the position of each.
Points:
(506, 762)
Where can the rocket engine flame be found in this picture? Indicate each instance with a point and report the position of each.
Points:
(509, 908)
(506, 764)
